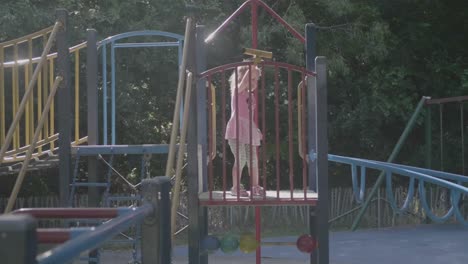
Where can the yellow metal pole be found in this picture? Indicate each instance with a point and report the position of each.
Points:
(22, 173)
(16, 96)
(28, 105)
(180, 155)
(77, 95)
(45, 85)
(52, 106)
(2, 97)
(39, 103)
(24, 100)
(180, 87)
(31, 97)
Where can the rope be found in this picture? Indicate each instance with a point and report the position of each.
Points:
(133, 186)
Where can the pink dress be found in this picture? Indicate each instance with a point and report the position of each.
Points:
(242, 109)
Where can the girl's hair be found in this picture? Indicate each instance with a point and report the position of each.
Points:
(241, 70)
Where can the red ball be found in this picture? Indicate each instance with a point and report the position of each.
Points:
(306, 243)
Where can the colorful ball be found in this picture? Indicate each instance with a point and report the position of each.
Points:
(210, 244)
(229, 243)
(248, 243)
(306, 243)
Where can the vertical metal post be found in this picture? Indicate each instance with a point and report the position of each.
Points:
(65, 114)
(311, 98)
(156, 228)
(428, 136)
(18, 239)
(93, 128)
(322, 159)
(196, 151)
(310, 32)
(92, 97)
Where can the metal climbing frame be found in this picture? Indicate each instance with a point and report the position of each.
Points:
(310, 125)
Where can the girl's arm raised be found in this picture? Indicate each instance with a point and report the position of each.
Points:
(244, 83)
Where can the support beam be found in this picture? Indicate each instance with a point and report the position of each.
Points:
(322, 160)
(65, 114)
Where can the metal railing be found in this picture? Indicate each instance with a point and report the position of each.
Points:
(452, 182)
(153, 215)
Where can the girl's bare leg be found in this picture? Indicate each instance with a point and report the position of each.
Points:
(235, 173)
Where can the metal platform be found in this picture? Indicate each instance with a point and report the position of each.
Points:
(45, 160)
(282, 197)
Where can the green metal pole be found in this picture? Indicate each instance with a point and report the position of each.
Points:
(428, 135)
(396, 150)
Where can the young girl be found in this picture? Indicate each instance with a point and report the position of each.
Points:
(238, 134)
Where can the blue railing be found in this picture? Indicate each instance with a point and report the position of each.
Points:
(423, 176)
(112, 42)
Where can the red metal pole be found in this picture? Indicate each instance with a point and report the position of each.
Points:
(263, 100)
(304, 143)
(226, 22)
(254, 17)
(281, 20)
(238, 172)
(290, 134)
(277, 94)
(223, 124)
(53, 236)
(210, 139)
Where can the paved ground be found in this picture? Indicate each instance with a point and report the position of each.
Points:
(431, 244)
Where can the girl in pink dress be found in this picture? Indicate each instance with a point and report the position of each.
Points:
(238, 133)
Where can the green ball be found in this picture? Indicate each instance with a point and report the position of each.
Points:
(229, 244)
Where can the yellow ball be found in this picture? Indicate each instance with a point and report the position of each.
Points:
(248, 243)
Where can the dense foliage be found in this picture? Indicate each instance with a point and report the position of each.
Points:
(383, 57)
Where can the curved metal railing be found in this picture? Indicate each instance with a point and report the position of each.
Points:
(452, 182)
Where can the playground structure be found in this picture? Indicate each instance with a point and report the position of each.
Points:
(311, 147)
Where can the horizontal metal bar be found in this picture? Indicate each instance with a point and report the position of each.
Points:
(456, 99)
(121, 149)
(60, 235)
(123, 198)
(89, 184)
(146, 44)
(259, 202)
(73, 248)
(74, 213)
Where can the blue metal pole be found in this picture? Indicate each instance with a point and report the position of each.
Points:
(104, 93)
(113, 93)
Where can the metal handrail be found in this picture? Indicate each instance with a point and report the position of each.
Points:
(22, 173)
(422, 175)
(29, 91)
(73, 248)
(26, 38)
